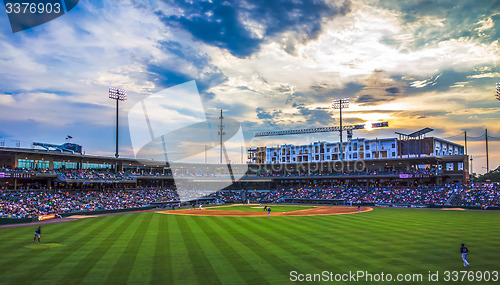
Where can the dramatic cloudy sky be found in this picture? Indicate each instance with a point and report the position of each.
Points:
(270, 64)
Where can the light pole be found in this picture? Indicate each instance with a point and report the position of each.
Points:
(341, 104)
(118, 95)
(471, 171)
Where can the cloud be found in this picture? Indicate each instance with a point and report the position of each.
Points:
(487, 75)
(423, 83)
(271, 65)
(242, 26)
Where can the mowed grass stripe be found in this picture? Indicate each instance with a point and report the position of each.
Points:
(304, 256)
(83, 264)
(314, 252)
(268, 253)
(221, 266)
(29, 229)
(49, 233)
(366, 234)
(56, 256)
(230, 257)
(102, 268)
(162, 267)
(339, 230)
(183, 271)
(32, 255)
(246, 252)
(140, 273)
(204, 271)
(123, 266)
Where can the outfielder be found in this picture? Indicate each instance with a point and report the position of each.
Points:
(38, 232)
(464, 251)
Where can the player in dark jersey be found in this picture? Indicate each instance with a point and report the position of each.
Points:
(38, 232)
(268, 211)
(464, 251)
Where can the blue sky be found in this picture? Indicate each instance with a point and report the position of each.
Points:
(270, 64)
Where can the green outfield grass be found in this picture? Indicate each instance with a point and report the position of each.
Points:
(152, 248)
(256, 208)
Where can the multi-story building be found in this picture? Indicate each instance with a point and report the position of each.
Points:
(356, 149)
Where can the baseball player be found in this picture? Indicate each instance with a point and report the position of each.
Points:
(268, 211)
(38, 232)
(464, 251)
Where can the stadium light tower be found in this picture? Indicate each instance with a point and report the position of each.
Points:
(497, 93)
(118, 95)
(341, 104)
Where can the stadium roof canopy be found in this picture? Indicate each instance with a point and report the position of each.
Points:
(417, 133)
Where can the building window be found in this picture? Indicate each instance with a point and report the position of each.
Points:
(449, 166)
(460, 166)
(393, 154)
(25, 163)
(41, 164)
(67, 165)
(95, 166)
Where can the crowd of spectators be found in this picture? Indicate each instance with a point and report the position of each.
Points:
(27, 204)
(452, 195)
(33, 203)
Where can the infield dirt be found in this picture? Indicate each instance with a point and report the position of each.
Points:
(316, 211)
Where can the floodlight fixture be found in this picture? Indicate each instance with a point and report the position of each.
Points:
(341, 104)
(497, 93)
(117, 94)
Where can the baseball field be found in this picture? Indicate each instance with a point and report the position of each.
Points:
(158, 248)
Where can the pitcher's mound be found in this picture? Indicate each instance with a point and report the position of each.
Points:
(316, 211)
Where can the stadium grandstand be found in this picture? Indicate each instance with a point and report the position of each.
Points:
(427, 173)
